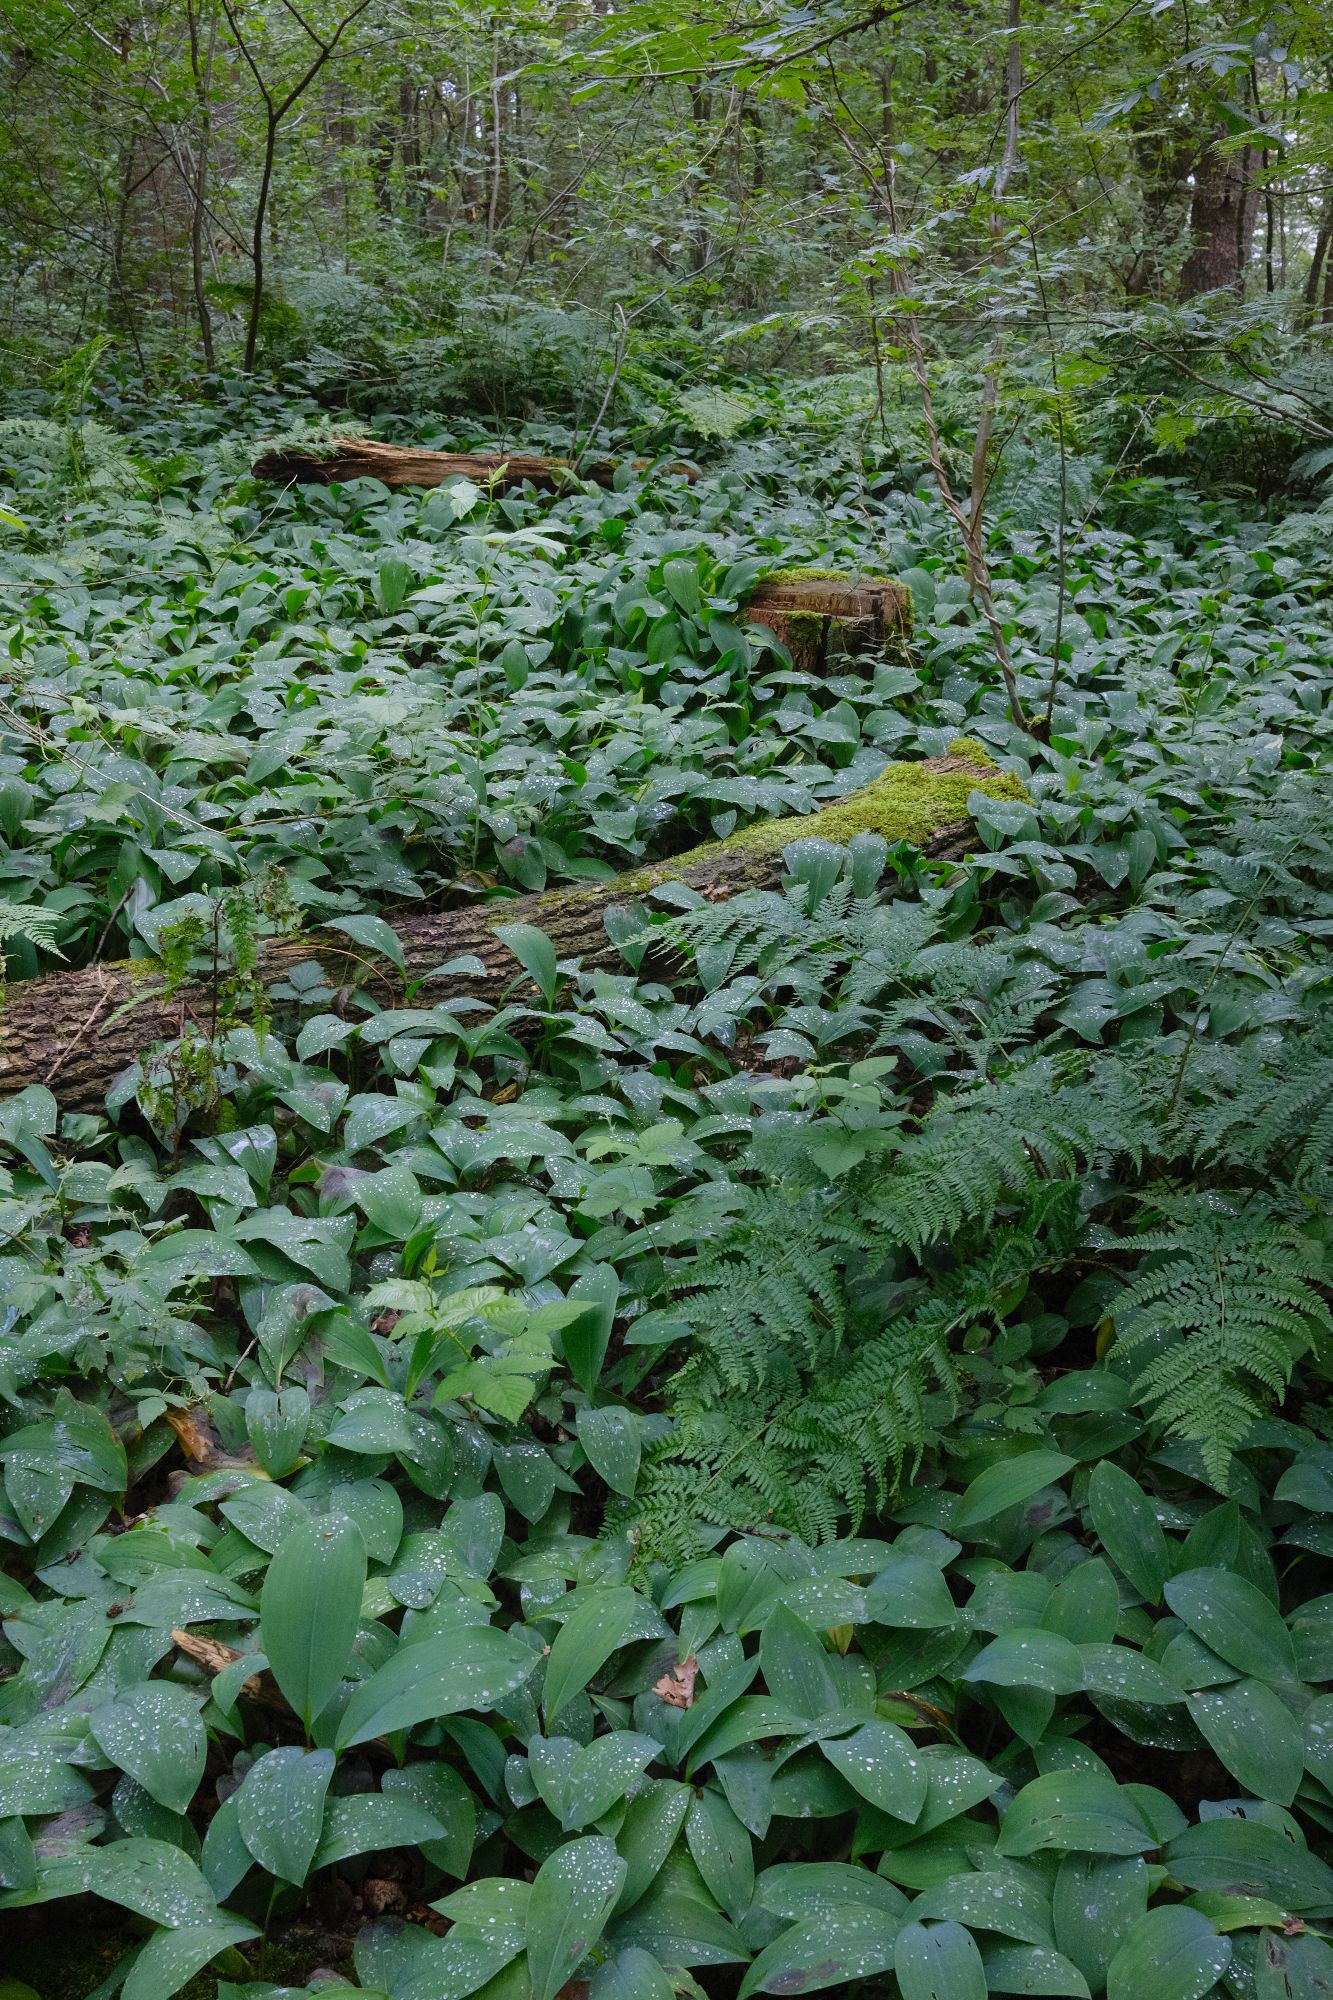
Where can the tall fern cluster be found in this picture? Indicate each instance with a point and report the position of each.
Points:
(1181, 1183)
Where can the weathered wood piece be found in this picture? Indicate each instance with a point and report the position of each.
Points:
(76, 1031)
(395, 465)
(819, 615)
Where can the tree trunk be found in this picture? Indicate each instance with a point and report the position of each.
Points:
(395, 465)
(76, 1031)
(1221, 220)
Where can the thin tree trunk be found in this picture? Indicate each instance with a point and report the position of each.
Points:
(990, 387)
(76, 1031)
(203, 78)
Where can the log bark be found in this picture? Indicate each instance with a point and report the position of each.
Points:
(76, 1031)
(397, 465)
(820, 618)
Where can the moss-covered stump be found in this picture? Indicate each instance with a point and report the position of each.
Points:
(821, 615)
(330, 460)
(75, 1031)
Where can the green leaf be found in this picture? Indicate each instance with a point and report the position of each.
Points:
(276, 1424)
(1235, 1620)
(1095, 1901)
(574, 1893)
(280, 1809)
(722, 1852)
(309, 1610)
(1079, 1809)
(367, 1823)
(610, 1437)
(474, 1668)
(1172, 1953)
(938, 1962)
(631, 1975)
(372, 934)
(585, 1340)
(584, 1643)
(1029, 1657)
(535, 953)
(154, 1733)
(1128, 1528)
(602, 1774)
(911, 1593)
(881, 1763)
(170, 1960)
(1032, 1968)
(795, 1666)
(832, 1950)
(1255, 1736)
(1008, 1483)
(1250, 1859)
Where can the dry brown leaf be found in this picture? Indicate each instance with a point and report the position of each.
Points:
(676, 1687)
(195, 1441)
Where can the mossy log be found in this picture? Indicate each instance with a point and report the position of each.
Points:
(339, 459)
(76, 1031)
(821, 615)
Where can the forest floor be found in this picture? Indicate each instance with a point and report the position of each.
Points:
(794, 1456)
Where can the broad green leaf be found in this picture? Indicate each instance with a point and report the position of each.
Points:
(367, 1823)
(154, 1733)
(1250, 1859)
(795, 1666)
(881, 1763)
(722, 1851)
(1235, 1620)
(610, 1436)
(1075, 1809)
(372, 934)
(171, 1959)
(603, 1773)
(1255, 1735)
(1008, 1483)
(535, 953)
(911, 1593)
(584, 1643)
(1029, 1657)
(574, 1893)
(309, 1610)
(475, 1668)
(1128, 1528)
(938, 1962)
(1172, 1953)
(631, 1975)
(280, 1809)
(834, 1950)
(1032, 1968)
(1096, 1900)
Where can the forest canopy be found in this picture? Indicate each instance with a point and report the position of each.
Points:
(666, 883)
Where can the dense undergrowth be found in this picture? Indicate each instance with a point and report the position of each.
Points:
(800, 1462)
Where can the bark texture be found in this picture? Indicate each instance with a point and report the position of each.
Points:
(398, 465)
(818, 618)
(76, 1031)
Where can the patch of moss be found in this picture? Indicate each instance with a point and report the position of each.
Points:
(826, 576)
(907, 802)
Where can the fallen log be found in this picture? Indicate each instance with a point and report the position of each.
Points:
(330, 460)
(819, 615)
(76, 1031)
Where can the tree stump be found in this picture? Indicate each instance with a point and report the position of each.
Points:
(821, 616)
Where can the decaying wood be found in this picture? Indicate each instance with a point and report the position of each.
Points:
(76, 1031)
(820, 618)
(340, 459)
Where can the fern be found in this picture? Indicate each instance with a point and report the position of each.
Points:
(30, 921)
(1228, 1295)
